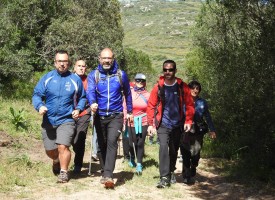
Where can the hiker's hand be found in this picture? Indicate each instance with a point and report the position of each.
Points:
(75, 114)
(187, 127)
(94, 107)
(212, 134)
(43, 110)
(151, 130)
(130, 117)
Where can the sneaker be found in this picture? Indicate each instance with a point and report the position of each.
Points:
(56, 168)
(103, 180)
(77, 169)
(63, 177)
(193, 171)
(164, 182)
(109, 183)
(132, 163)
(139, 169)
(186, 176)
(95, 158)
(173, 178)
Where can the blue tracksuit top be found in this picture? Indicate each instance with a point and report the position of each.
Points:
(61, 94)
(107, 91)
(201, 111)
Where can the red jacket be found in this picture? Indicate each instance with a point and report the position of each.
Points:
(155, 105)
(85, 84)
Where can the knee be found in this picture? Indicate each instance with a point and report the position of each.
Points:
(63, 148)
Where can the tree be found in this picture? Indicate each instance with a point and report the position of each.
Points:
(234, 59)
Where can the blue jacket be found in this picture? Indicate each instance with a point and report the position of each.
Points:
(201, 111)
(107, 91)
(61, 94)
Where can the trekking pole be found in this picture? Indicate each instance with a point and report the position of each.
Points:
(92, 127)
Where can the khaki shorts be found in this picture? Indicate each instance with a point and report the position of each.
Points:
(61, 134)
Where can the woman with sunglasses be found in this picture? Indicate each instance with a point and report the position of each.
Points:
(140, 98)
(193, 140)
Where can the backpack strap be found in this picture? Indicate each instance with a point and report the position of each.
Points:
(143, 98)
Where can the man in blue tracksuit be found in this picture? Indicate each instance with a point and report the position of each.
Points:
(106, 87)
(59, 96)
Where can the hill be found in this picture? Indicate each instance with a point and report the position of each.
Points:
(160, 28)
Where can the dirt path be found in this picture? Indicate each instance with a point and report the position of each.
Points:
(207, 185)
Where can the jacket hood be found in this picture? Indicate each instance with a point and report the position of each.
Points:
(112, 70)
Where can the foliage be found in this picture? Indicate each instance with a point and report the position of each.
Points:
(18, 119)
(137, 62)
(32, 30)
(234, 60)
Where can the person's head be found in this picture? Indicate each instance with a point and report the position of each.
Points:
(61, 61)
(140, 80)
(169, 68)
(106, 58)
(80, 67)
(195, 88)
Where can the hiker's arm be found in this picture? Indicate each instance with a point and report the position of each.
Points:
(127, 94)
(189, 105)
(152, 105)
(91, 89)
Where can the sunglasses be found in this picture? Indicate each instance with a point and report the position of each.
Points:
(140, 80)
(168, 70)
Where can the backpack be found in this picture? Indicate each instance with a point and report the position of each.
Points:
(118, 74)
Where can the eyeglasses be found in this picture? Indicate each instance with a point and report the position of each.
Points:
(168, 70)
(140, 80)
(81, 65)
(62, 61)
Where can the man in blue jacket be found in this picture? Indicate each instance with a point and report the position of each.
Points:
(106, 87)
(55, 97)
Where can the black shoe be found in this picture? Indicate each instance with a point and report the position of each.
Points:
(164, 182)
(193, 171)
(56, 168)
(173, 178)
(187, 180)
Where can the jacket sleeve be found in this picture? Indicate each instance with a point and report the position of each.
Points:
(91, 89)
(127, 92)
(152, 105)
(39, 94)
(81, 96)
(189, 105)
(208, 117)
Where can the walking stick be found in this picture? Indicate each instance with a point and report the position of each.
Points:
(92, 127)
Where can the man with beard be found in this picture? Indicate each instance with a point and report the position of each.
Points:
(107, 85)
(165, 112)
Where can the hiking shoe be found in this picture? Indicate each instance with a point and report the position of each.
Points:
(173, 178)
(109, 183)
(139, 169)
(164, 182)
(132, 163)
(63, 177)
(56, 168)
(193, 171)
(77, 169)
(95, 158)
(103, 180)
(187, 180)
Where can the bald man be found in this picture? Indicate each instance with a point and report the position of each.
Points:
(107, 85)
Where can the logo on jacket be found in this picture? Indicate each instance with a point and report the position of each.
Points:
(68, 86)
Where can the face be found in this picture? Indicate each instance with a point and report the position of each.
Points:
(195, 91)
(61, 62)
(169, 71)
(80, 67)
(140, 83)
(106, 59)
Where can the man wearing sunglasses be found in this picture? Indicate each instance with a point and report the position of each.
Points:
(166, 115)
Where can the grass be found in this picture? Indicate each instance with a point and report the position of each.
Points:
(160, 29)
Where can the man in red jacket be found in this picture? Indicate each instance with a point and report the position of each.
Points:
(165, 113)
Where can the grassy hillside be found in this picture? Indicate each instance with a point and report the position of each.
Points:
(160, 29)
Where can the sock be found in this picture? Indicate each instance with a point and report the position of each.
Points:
(63, 170)
(56, 161)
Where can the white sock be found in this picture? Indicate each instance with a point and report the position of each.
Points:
(56, 160)
(63, 170)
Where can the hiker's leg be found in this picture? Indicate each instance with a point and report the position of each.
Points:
(174, 147)
(140, 144)
(65, 133)
(114, 128)
(164, 158)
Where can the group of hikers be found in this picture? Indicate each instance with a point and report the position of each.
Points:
(69, 101)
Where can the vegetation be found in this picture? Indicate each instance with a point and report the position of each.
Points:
(233, 58)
